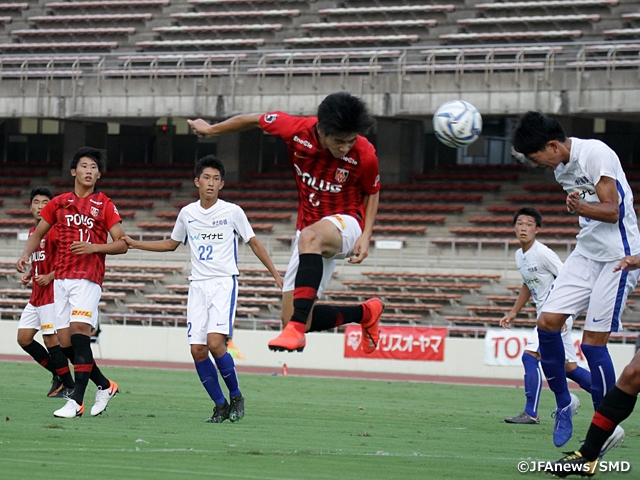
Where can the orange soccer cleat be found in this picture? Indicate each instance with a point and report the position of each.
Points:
(371, 324)
(291, 339)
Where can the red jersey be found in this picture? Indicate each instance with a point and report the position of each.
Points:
(78, 219)
(43, 262)
(326, 185)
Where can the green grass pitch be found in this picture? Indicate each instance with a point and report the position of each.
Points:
(295, 428)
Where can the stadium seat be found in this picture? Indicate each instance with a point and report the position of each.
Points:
(106, 17)
(429, 219)
(419, 208)
(500, 36)
(236, 13)
(535, 200)
(77, 5)
(9, 192)
(168, 226)
(148, 268)
(457, 277)
(221, 42)
(426, 197)
(383, 286)
(135, 287)
(123, 193)
(529, 19)
(546, 4)
(112, 183)
(543, 209)
(462, 177)
(387, 9)
(4, 19)
(371, 39)
(98, 31)
(496, 220)
(417, 297)
(138, 204)
(448, 187)
(398, 229)
(504, 231)
(219, 28)
(372, 24)
(14, 6)
(8, 47)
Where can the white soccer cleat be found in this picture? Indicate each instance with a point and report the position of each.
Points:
(103, 397)
(70, 410)
(616, 438)
(575, 404)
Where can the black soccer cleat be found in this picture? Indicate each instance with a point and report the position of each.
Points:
(56, 387)
(220, 413)
(236, 410)
(573, 463)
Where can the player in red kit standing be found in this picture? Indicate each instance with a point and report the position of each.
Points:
(83, 218)
(336, 172)
(39, 313)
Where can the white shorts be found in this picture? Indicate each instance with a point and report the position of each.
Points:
(570, 355)
(585, 284)
(40, 318)
(76, 300)
(211, 308)
(350, 231)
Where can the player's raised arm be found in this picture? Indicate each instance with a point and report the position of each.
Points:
(32, 244)
(166, 245)
(263, 256)
(234, 124)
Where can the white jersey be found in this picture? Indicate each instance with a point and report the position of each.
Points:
(589, 161)
(539, 266)
(212, 236)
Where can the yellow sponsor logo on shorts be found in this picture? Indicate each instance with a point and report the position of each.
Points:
(81, 313)
(47, 326)
(339, 219)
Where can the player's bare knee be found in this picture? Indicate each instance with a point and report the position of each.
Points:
(629, 381)
(551, 322)
(24, 338)
(199, 353)
(310, 241)
(50, 341)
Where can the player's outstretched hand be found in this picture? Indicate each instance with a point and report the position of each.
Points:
(505, 322)
(360, 250)
(630, 262)
(199, 127)
(21, 264)
(131, 243)
(82, 248)
(573, 202)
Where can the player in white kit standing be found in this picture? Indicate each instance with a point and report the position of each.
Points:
(599, 194)
(211, 227)
(539, 266)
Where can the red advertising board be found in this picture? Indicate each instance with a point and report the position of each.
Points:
(399, 343)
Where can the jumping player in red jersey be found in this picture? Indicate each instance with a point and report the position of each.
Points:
(39, 313)
(83, 218)
(336, 171)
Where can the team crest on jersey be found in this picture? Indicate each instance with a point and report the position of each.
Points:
(270, 117)
(94, 211)
(341, 175)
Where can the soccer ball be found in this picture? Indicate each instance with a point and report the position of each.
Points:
(457, 123)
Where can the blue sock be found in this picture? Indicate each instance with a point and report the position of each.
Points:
(228, 371)
(209, 378)
(552, 362)
(532, 383)
(603, 375)
(582, 377)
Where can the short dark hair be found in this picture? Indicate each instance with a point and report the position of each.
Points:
(533, 132)
(92, 153)
(342, 112)
(209, 161)
(46, 191)
(529, 212)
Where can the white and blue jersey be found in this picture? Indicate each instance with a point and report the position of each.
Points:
(212, 235)
(539, 266)
(589, 161)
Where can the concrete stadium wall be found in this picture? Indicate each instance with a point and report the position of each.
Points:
(564, 92)
(463, 357)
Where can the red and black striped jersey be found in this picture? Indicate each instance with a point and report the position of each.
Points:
(326, 185)
(86, 219)
(43, 262)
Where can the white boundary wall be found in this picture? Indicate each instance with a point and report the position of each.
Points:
(463, 357)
